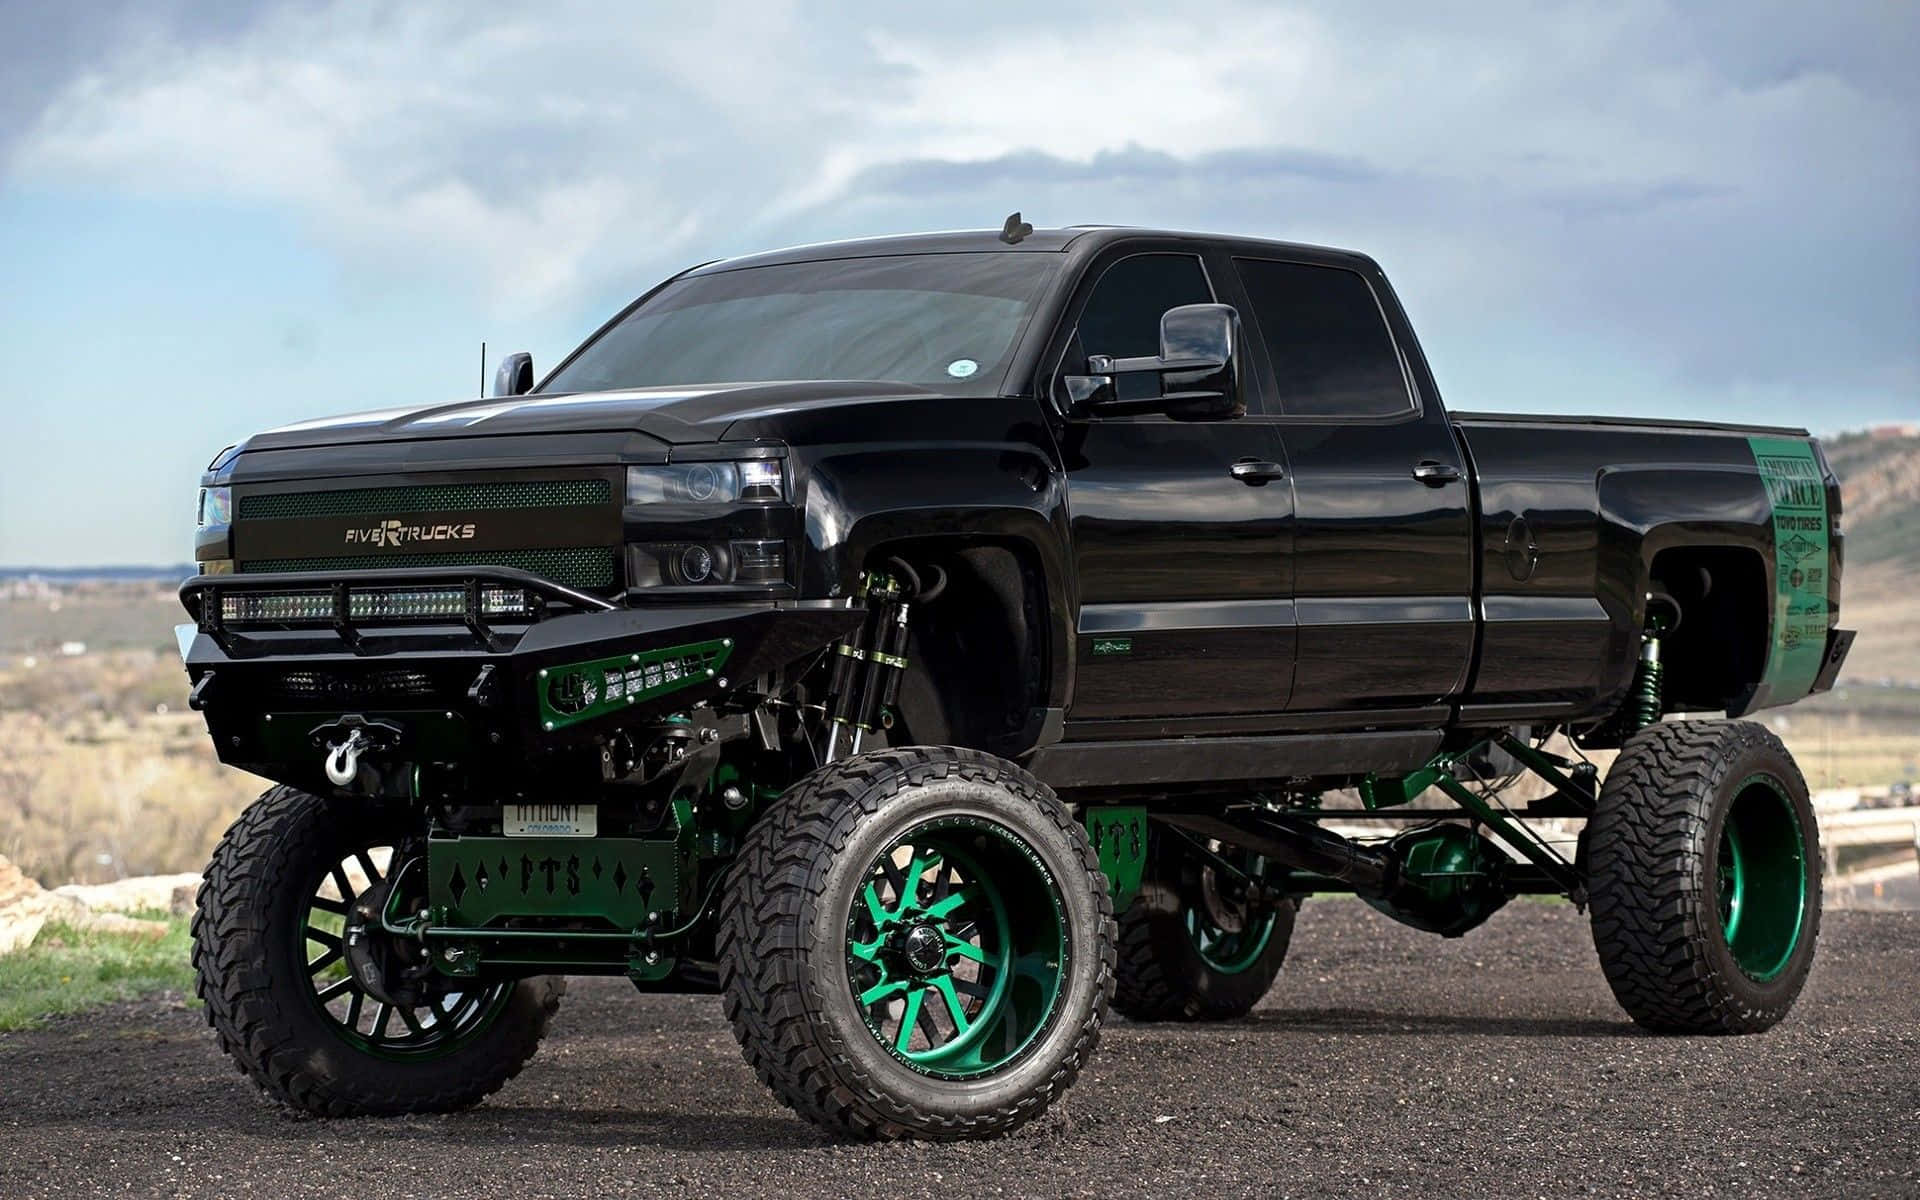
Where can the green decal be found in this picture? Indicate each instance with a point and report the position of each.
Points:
(1113, 645)
(1119, 836)
(1799, 498)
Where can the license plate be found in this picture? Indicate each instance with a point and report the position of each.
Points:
(550, 820)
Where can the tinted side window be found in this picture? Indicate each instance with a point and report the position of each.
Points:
(1122, 316)
(1331, 352)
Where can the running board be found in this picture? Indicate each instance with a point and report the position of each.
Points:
(1149, 762)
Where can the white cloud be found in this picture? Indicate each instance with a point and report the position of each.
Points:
(1617, 168)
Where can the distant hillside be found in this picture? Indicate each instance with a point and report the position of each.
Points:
(1880, 481)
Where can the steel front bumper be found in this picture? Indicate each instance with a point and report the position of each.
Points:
(464, 687)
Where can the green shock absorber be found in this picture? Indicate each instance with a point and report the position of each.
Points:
(1648, 702)
(1646, 683)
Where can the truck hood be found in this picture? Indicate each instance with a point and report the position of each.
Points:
(697, 413)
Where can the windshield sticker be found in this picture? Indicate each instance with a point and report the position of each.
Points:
(961, 368)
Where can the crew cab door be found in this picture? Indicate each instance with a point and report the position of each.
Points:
(1179, 529)
(1382, 539)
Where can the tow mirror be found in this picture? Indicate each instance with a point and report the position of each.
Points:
(1199, 365)
(515, 375)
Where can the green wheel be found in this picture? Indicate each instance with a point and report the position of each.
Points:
(917, 943)
(956, 951)
(1704, 876)
(1192, 948)
(318, 1006)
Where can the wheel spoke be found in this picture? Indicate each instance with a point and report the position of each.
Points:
(941, 907)
(927, 1024)
(315, 966)
(908, 1020)
(955, 1009)
(335, 989)
(866, 951)
(875, 908)
(366, 864)
(381, 1016)
(410, 1021)
(965, 949)
(330, 940)
(922, 862)
(972, 987)
(329, 905)
(354, 1004)
(891, 870)
(345, 885)
(883, 990)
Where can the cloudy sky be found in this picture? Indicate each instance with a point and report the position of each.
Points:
(221, 216)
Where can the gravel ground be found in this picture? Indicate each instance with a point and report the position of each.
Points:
(1386, 1062)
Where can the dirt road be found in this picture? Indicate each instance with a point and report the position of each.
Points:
(1385, 1063)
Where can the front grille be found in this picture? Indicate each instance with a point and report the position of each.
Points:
(586, 568)
(437, 497)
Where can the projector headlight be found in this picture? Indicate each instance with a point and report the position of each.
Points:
(216, 506)
(753, 481)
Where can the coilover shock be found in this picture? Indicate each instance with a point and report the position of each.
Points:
(864, 681)
(1648, 701)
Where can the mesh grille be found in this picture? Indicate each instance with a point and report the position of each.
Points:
(558, 493)
(585, 568)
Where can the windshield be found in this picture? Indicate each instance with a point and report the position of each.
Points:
(946, 321)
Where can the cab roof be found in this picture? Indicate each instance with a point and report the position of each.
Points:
(1075, 238)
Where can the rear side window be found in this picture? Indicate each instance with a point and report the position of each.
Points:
(1122, 316)
(1327, 339)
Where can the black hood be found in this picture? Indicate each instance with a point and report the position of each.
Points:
(695, 413)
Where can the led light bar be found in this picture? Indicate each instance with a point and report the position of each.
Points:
(268, 608)
(371, 605)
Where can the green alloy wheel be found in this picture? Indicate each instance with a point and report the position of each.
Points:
(1192, 948)
(1704, 875)
(955, 951)
(1761, 877)
(917, 943)
(314, 1001)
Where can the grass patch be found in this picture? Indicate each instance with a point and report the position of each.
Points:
(69, 970)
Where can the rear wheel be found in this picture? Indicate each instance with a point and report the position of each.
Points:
(1704, 867)
(313, 1001)
(917, 943)
(1193, 947)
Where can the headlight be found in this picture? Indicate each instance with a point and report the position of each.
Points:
(216, 506)
(737, 562)
(759, 480)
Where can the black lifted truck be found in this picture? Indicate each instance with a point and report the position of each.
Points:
(925, 642)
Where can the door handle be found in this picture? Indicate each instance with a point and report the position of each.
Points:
(1256, 472)
(1433, 473)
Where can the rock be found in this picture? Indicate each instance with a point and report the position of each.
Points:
(184, 897)
(26, 907)
(23, 908)
(141, 894)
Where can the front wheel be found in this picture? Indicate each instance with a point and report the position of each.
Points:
(1704, 875)
(917, 943)
(313, 1002)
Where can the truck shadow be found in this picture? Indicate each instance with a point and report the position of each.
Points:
(1372, 1023)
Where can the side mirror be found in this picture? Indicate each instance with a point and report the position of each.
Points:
(1199, 365)
(514, 376)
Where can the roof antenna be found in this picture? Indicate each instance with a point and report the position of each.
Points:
(483, 370)
(1014, 230)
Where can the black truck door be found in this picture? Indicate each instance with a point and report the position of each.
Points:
(1181, 557)
(1382, 534)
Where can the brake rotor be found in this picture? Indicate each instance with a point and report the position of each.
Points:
(394, 970)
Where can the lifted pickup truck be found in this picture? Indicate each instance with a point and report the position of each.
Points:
(858, 630)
